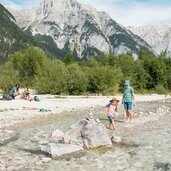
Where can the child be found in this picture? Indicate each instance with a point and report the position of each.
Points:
(112, 109)
(128, 99)
(26, 94)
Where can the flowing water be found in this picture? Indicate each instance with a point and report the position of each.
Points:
(145, 147)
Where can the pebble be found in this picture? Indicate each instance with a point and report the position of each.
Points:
(46, 159)
(141, 113)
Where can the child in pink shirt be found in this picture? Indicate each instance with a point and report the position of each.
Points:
(112, 109)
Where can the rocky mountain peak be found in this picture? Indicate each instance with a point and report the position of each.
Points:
(158, 36)
(70, 26)
(58, 11)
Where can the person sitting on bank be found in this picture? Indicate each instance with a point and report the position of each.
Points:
(14, 91)
(26, 95)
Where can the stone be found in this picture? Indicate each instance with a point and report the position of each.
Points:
(150, 113)
(7, 136)
(56, 149)
(85, 144)
(98, 121)
(91, 116)
(140, 113)
(46, 159)
(116, 139)
(96, 135)
(57, 135)
(43, 142)
(73, 135)
(87, 133)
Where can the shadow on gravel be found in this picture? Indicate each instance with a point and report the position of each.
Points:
(35, 151)
(162, 166)
(128, 145)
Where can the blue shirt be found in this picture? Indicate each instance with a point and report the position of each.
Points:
(128, 94)
(13, 90)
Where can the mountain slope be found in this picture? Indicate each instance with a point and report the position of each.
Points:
(11, 36)
(157, 36)
(67, 25)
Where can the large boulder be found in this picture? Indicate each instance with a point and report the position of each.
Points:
(87, 133)
(74, 134)
(95, 135)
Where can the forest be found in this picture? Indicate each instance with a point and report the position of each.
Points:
(102, 75)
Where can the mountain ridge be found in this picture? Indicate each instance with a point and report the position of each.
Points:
(12, 37)
(158, 36)
(78, 28)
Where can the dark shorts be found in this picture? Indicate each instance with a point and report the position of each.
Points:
(128, 105)
(110, 118)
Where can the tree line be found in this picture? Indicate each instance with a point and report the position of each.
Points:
(100, 75)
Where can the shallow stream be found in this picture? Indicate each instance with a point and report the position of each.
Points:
(145, 147)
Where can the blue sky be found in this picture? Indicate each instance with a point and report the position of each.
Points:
(125, 12)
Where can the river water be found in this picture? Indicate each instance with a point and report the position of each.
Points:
(144, 147)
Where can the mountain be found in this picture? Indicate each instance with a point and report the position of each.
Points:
(66, 25)
(12, 37)
(23, 17)
(157, 36)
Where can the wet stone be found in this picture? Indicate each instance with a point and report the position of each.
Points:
(162, 166)
(57, 150)
(7, 136)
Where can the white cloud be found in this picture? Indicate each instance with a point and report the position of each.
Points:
(133, 12)
(8, 3)
(142, 15)
(18, 4)
(130, 12)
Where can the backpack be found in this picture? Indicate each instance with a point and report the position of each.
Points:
(36, 99)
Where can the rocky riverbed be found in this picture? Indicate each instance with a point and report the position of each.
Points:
(145, 143)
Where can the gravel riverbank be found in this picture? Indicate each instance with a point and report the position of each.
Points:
(148, 136)
(22, 111)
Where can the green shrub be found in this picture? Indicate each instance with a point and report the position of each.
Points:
(27, 64)
(76, 80)
(51, 78)
(104, 80)
(8, 76)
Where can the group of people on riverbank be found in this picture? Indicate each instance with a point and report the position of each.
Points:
(14, 92)
(128, 100)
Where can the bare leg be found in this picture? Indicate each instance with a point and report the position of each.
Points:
(128, 118)
(113, 124)
(110, 126)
